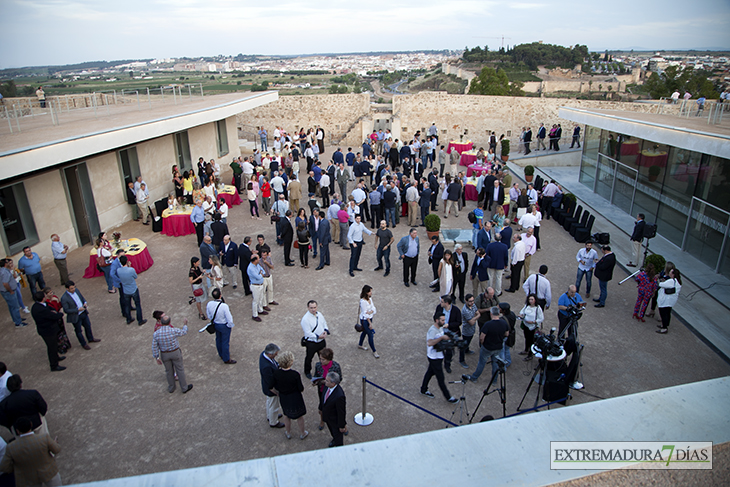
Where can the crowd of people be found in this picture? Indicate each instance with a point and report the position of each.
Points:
(383, 184)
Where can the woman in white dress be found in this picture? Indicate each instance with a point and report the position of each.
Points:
(216, 273)
(446, 275)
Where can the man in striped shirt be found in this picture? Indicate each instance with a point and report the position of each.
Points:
(166, 350)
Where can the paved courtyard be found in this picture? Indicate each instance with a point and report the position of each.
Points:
(113, 416)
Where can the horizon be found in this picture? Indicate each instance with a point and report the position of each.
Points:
(69, 32)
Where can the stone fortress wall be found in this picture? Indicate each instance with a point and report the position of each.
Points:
(351, 116)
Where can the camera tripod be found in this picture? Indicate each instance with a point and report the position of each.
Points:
(539, 369)
(461, 407)
(641, 267)
(502, 389)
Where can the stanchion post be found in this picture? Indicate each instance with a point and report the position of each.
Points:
(364, 418)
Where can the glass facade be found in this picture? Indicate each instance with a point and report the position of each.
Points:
(664, 183)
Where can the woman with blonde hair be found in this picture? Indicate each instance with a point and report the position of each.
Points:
(288, 384)
(216, 273)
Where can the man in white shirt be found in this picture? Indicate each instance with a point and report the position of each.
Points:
(435, 359)
(247, 168)
(539, 285)
(528, 220)
(530, 248)
(412, 199)
(142, 197)
(587, 258)
(277, 184)
(4, 375)
(531, 194)
(220, 315)
(315, 330)
(517, 260)
(354, 237)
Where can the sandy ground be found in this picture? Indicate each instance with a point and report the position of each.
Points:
(114, 417)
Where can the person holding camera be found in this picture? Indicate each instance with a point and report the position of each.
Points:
(569, 301)
(491, 337)
(452, 317)
(435, 359)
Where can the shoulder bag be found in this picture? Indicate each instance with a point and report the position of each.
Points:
(358, 325)
(211, 326)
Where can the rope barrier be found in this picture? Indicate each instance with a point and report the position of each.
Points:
(409, 402)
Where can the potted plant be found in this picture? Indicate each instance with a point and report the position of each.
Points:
(505, 149)
(657, 261)
(654, 172)
(571, 197)
(433, 224)
(529, 173)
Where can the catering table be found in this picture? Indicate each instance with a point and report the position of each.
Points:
(468, 157)
(459, 146)
(136, 251)
(651, 158)
(229, 194)
(470, 190)
(176, 223)
(630, 148)
(476, 170)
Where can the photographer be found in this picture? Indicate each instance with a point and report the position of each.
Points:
(452, 317)
(435, 358)
(569, 302)
(492, 336)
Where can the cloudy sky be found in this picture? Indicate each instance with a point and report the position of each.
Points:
(41, 32)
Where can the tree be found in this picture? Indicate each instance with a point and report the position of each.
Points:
(131, 74)
(8, 89)
(491, 82)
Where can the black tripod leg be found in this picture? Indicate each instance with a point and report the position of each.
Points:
(527, 391)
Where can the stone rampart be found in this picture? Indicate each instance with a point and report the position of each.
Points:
(337, 114)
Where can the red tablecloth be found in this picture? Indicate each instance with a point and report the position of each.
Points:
(476, 170)
(459, 146)
(141, 262)
(630, 148)
(648, 159)
(470, 191)
(177, 225)
(231, 199)
(467, 159)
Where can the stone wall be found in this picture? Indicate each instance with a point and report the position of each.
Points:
(478, 114)
(335, 113)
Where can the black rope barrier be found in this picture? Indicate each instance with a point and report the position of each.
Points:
(409, 402)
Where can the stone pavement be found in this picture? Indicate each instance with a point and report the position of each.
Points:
(113, 416)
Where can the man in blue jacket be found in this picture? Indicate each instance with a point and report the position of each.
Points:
(480, 272)
(267, 367)
(325, 238)
(229, 260)
(484, 236)
(498, 255)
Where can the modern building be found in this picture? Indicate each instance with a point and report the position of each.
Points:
(68, 173)
(674, 170)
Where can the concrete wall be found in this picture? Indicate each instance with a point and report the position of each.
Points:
(335, 113)
(477, 114)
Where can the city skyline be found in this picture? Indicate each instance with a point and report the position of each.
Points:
(59, 32)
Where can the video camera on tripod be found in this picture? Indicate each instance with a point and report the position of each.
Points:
(548, 345)
(453, 342)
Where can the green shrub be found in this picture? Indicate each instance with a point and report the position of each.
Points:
(657, 261)
(529, 170)
(432, 222)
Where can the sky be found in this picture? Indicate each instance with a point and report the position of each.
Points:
(57, 32)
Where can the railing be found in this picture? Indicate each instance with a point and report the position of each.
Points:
(689, 108)
(29, 112)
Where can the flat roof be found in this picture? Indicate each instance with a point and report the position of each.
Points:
(693, 133)
(81, 134)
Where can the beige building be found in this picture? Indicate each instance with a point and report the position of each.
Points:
(68, 174)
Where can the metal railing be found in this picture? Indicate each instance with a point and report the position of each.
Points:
(28, 111)
(688, 108)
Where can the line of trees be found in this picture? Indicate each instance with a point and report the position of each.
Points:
(677, 78)
(531, 55)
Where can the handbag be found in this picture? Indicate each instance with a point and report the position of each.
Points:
(358, 325)
(198, 292)
(211, 326)
(671, 290)
(303, 341)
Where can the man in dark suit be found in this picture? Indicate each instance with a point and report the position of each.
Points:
(558, 135)
(527, 140)
(604, 273)
(418, 170)
(77, 313)
(30, 457)
(325, 238)
(22, 403)
(480, 272)
(487, 186)
(206, 251)
(433, 182)
(244, 259)
(637, 237)
(46, 322)
(498, 256)
(313, 226)
(333, 408)
(425, 200)
(229, 260)
(484, 236)
(435, 254)
(219, 230)
(267, 367)
(494, 194)
(454, 325)
(287, 235)
(461, 270)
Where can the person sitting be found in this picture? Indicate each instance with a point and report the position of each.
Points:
(172, 202)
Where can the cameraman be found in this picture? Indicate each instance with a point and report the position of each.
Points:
(492, 336)
(435, 358)
(452, 317)
(570, 299)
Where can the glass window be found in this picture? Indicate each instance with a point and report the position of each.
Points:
(713, 181)
(182, 150)
(222, 138)
(18, 226)
(604, 185)
(590, 155)
(706, 231)
(129, 165)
